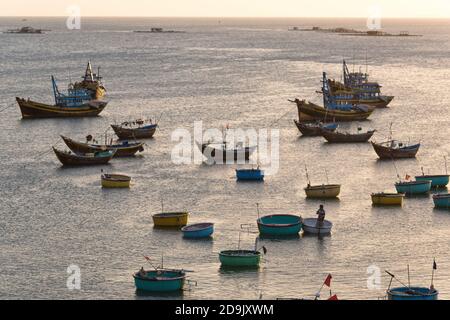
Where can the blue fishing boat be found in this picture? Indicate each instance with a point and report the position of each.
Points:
(442, 200)
(412, 293)
(250, 174)
(280, 225)
(159, 280)
(413, 187)
(198, 230)
(437, 181)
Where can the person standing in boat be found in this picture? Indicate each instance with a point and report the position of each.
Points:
(321, 215)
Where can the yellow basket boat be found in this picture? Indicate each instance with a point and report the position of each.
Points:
(387, 199)
(170, 219)
(115, 181)
(323, 192)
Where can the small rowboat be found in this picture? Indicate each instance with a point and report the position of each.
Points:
(160, 280)
(124, 149)
(437, 181)
(387, 199)
(199, 230)
(280, 225)
(323, 192)
(144, 132)
(345, 137)
(442, 200)
(115, 181)
(313, 226)
(412, 293)
(413, 187)
(314, 129)
(170, 219)
(250, 175)
(395, 150)
(240, 258)
(68, 158)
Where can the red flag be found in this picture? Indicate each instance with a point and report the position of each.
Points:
(434, 265)
(407, 177)
(328, 281)
(147, 258)
(333, 298)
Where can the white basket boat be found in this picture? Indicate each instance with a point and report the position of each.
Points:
(312, 226)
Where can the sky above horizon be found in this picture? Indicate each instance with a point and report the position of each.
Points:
(231, 8)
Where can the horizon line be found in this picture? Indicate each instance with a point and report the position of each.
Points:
(228, 17)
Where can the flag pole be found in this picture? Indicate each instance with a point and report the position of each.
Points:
(432, 273)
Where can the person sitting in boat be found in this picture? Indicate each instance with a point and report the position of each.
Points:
(321, 215)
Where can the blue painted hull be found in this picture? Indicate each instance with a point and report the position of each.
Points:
(250, 175)
(442, 201)
(279, 225)
(198, 234)
(413, 187)
(415, 293)
(436, 181)
(158, 285)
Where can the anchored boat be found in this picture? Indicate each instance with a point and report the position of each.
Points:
(413, 187)
(240, 258)
(279, 225)
(308, 111)
(198, 230)
(123, 149)
(437, 181)
(323, 191)
(170, 219)
(115, 180)
(315, 129)
(159, 280)
(387, 199)
(346, 137)
(76, 103)
(394, 149)
(92, 82)
(221, 152)
(68, 158)
(442, 200)
(250, 174)
(314, 226)
(139, 129)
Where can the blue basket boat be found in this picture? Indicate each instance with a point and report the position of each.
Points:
(412, 293)
(437, 181)
(413, 187)
(249, 175)
(161, 280)
(280, 225)
(198, 230)
(442, 200)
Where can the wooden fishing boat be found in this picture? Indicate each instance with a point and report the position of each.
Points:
(92, 82)
(387, 199)
(221, 153)
(279, 225)
(159, 280)
(314, 129)
(437, 181)
(170, 219)
(135, 130)
(313, 226)
(123, 149)
(412, 293)
(308, 111)
(323, 191)
(393, 149)
(115, 180)
(442, 200)
(198, 230)
(413, 187)
(68, 158)
(345, 137)
(240, 258)
(250, 175)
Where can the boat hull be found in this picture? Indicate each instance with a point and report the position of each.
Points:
(377, 102)
(134, 133)
(279, 225)
(413, 293)
(80, 160)
(338, 137)
(115, 181)
(31, 109)
(387, 199)
(249, 175)
(323, 191)
(121, 150)
(389, 153)
(308, 112)
(442, 201)
(312, 226)
(168, 281)
(311, 130)
(239, 258)
(416, 187)
(221, 156)
(437, 181)
(202, 230)
(171, 219)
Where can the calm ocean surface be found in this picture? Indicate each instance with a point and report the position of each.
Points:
(238, 72)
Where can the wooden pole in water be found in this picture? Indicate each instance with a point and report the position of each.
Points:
(409, 280)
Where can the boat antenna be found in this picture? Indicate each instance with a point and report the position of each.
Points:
(162, 261)
(367, 64)
(239, 241)
(409, 278)
(445, 162)
(257, 209)
(390, 131)
(162, 204)
(326, 175)
(307, 175)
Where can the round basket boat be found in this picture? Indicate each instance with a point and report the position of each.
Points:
(312, 226)
(170, 219)
(280, 225)
(412, 293)
(198, 230)
(240, 258)
(115, 181)
(161, 280)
